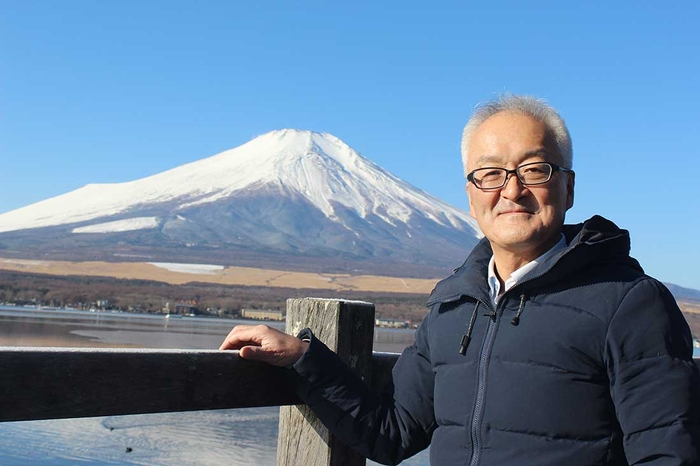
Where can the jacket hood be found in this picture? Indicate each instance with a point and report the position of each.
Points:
(596, 240)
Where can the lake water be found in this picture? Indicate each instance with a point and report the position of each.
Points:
(239, 437)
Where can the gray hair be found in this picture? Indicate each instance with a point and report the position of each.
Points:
(526, 105)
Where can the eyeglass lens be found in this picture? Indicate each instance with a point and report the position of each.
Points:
(528, 174)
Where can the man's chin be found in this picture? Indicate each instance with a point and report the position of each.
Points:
(515, 229)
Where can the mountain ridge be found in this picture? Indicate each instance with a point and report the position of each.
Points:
(292, 193)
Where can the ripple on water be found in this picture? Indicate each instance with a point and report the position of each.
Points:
(231, 437)
(239, 437)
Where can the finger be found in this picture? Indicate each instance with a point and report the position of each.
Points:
(254, 353)
(244, 335)
(238, 337)
(278, 353)
(234, 342)
(231, 345)
(261, 354)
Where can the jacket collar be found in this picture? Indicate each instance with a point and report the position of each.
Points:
(595, 240)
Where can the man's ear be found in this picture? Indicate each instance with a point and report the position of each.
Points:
(471, 206)
(570, 182)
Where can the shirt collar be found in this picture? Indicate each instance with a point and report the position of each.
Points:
(520, 274)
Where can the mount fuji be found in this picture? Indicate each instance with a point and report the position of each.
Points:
(289, 198)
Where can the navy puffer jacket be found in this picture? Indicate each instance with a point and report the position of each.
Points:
(596, 369)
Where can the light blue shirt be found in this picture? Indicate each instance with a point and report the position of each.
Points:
(518, 276)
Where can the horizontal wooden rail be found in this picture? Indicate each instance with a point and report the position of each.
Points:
(57, 383)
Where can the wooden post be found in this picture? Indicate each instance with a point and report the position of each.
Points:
(346, 327)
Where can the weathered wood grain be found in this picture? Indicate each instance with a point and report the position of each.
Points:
(41, 383)
(58, 383)
(346, 327)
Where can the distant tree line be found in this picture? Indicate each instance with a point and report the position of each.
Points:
(145, 296)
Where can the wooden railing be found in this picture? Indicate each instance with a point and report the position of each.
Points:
(57, 383)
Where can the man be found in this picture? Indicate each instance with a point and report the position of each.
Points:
(548, 346)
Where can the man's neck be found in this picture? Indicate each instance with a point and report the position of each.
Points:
(508, 261)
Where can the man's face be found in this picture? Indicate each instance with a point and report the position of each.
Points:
(522, 220)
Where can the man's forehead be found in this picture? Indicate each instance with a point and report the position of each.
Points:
(507, 135)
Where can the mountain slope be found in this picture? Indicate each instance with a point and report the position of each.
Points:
(283, 196)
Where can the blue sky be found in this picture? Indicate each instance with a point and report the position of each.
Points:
(104, 92)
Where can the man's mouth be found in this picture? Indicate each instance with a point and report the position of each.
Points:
(514, 211)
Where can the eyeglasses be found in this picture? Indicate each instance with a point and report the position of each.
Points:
(529, 174)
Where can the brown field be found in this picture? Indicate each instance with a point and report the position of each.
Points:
(241, 276)
(689, 308)
(691, 311)
(145, 287)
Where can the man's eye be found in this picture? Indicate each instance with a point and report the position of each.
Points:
(491, 174)
(534, 170)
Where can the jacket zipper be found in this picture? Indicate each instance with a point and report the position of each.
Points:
(481, 387)
(483, 364)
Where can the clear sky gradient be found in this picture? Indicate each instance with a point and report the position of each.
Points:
(105, 92)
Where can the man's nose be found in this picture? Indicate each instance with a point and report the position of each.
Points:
(513, 189)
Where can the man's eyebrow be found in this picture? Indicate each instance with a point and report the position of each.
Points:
(496, 159)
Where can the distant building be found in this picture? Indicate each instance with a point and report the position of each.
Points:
(188, 307)
(392, 323)
(102, 303)
(262, 314)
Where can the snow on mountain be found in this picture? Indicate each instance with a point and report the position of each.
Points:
(130, 224)
(318, 166)
(205, 269)
(287, 197)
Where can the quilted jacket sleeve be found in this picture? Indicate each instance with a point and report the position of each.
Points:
(654, 382)
(386, 427)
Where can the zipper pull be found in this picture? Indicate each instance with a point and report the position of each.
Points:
(516, 320)
(467, 337)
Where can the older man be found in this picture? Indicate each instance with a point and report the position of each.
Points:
(548, 346)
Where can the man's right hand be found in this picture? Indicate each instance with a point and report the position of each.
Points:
(266, 344)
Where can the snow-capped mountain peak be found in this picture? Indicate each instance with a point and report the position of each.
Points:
(318, 166)
(285, 194)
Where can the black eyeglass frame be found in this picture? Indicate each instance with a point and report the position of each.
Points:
(554, 168)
